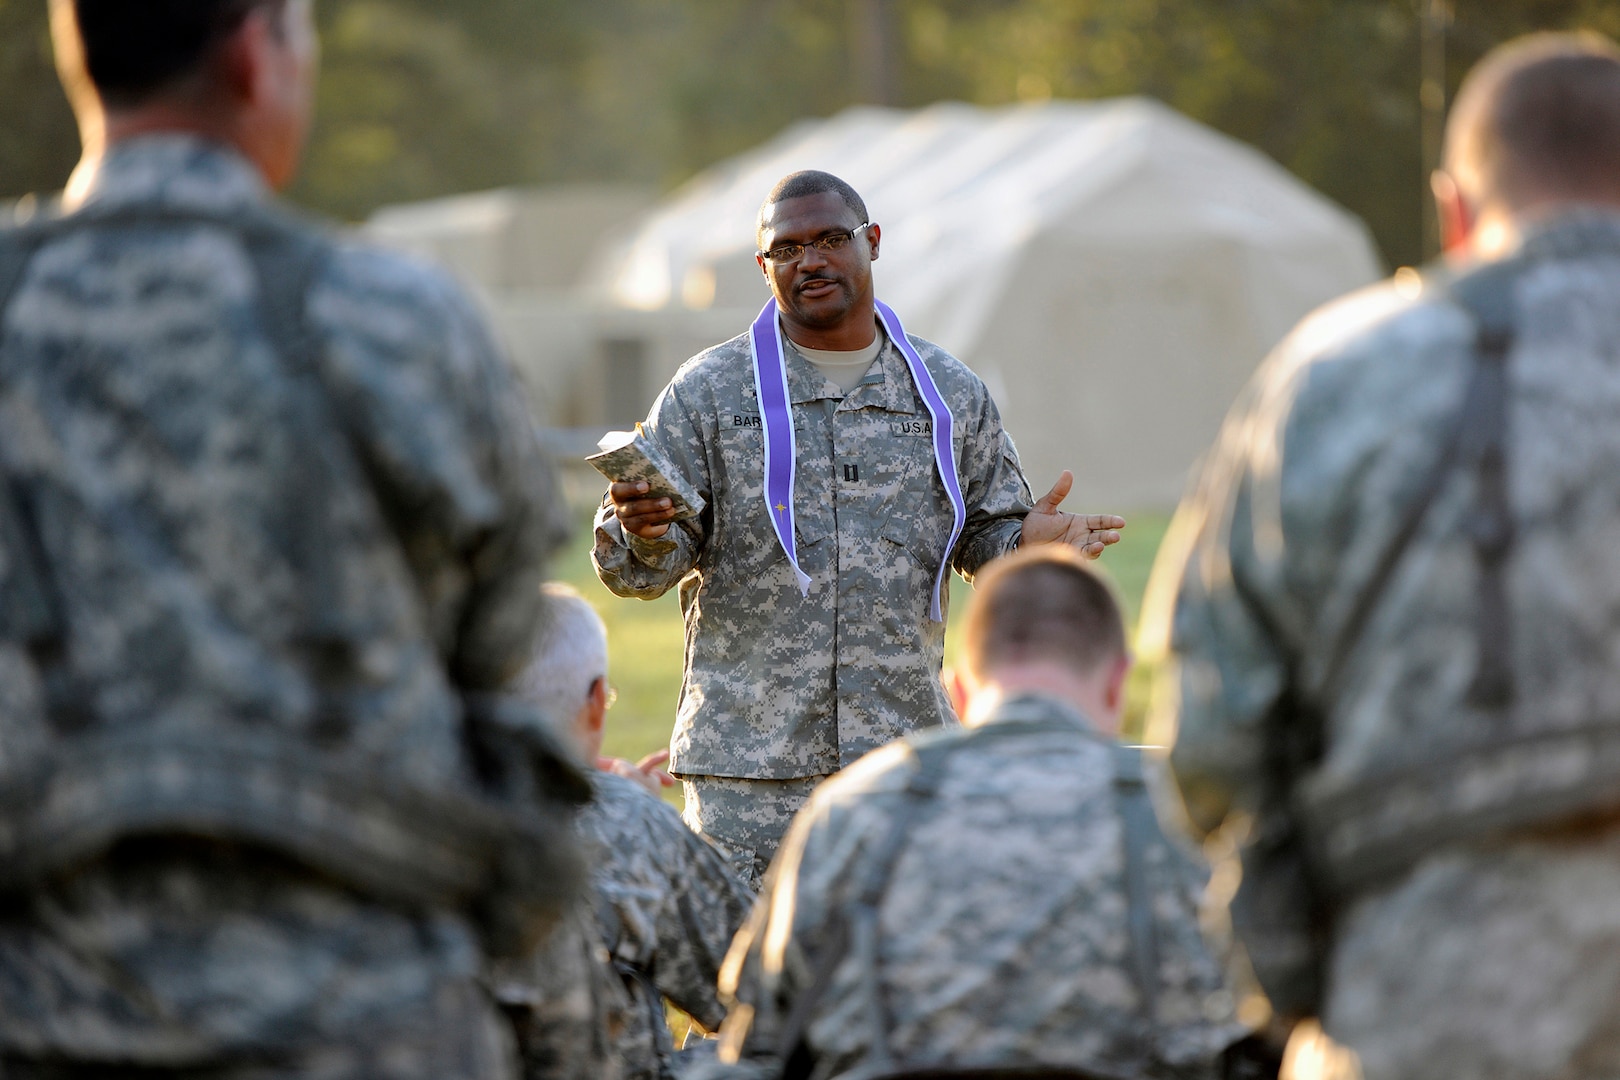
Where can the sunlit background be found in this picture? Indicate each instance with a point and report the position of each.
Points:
(1110, 208)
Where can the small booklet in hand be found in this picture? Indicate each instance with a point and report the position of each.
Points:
(628, 456)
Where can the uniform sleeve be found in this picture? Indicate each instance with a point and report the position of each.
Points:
(646, 569)
(440, 423)
(1227, 704)
(1241, 602)
(563, 1002)
(700, 916)
(27, 614)
(1194, 1006)
(1221, 672)
(759, 984)
(506, 561)
(994, 488)
(794, 929)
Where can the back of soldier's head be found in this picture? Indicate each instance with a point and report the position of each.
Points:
(134, 50)
(1042, 605)
(570, 655)
(1539, 120)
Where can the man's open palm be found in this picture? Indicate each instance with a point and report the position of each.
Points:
(1088, 533)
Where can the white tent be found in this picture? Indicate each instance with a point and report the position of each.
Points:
(1113, 270)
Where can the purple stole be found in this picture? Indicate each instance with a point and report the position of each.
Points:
(776, 420)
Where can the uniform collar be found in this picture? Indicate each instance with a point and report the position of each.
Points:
(1036, 706)
(887, 384)
(1581, 230)
(174, 171)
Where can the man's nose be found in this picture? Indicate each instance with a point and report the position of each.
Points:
(812, 257)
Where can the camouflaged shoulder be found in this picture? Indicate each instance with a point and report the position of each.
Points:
(951, 375)
(441, 843)
(717, 372)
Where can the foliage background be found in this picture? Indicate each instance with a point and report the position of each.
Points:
(422, 98)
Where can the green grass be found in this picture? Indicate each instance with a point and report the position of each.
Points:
(646, 639)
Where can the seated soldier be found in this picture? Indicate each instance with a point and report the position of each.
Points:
(666, 903)
(994, 900)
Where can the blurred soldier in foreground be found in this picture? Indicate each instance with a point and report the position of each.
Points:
(999, 897)
(270, 531)
(666, 903)
(1394, 605)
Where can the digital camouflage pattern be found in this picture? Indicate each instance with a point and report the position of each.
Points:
(232, 965)
(779, 685)
(668, 906)
(568, 1007)
(276, 590)
(1001, 932)
(634, 462)
(745, 819)
(1487, 944)
(661, 912)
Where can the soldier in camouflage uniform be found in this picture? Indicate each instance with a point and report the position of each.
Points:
(1393, 604)
(568, 1006)
(783, 689)
(271, 522)
(665, 903)
(994, 898)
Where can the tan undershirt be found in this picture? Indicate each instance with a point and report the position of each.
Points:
(846, 368)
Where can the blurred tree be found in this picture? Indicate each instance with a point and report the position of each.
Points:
(1326, 87)
(1329, 88)
(408, 107)
(38, 139)
(421, 98)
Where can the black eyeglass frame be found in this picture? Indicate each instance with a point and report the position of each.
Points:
(825, 244)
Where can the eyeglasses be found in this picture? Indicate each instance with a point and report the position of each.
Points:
(787, 253)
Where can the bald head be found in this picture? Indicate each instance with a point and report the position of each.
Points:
(567, 675)
(1537, 122)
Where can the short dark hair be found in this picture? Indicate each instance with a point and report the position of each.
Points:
(1042, 603)
(807, 182)
(1541, 114)
(134, 49)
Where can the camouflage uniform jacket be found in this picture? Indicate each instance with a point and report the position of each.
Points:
(999, 933)
(275, 589)
(1305, 491)
(567, 1005)
(778, 685)
(668, 907)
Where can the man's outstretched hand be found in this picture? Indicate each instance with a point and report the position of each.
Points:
(648, 772)
(1089, 533)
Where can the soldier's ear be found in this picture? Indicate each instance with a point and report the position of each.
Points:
(1114, 690)
(956, 685)
(1455, 215)
(240, 63)
(596, 704)
(251, 64)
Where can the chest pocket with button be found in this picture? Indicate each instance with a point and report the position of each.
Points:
(916, 512)
(744, 543)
